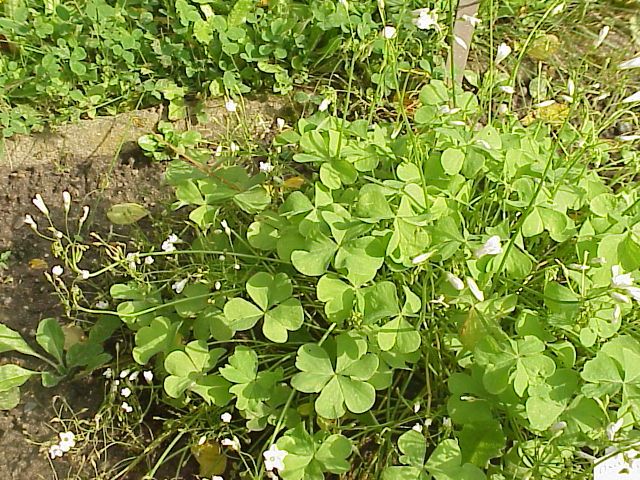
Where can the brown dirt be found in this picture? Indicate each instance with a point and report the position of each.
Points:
(26, 297)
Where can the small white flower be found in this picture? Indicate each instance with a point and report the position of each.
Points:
(67, 441)
(632, 98)
(178, 286)
(503, 108)
(629, 138)
(148, 375)
(125, 373)
(149, 260)
(324, 105)
(473, 21)
(133, 259)
(266, 167)
(416, 407)
(84, 274)
(234, 148)
(222, 258)
(57, 270)
(426, 19)
(40, 205)
(508, 89)
(417, 428)
(475, 290)
(67, 437)
(55, 451)
(423, 257)
(168, 245)
(102, 304)
(446, 422)
(455, 281)
(558, 8)
(617, 313)
(447, 110)
(217, 477)
(126, 407)
(389, 32)
(233, 443)
(230, 105)
(218, 151)
(274, 458)
(503, 52)
(226, 417)
(557, 427)
(579, 267)
(620, 298)
(634, 292)
(134, 376)
(226, 228)
(202, 440)
(236, 266)
(66, 201)
(619, 279)
(125, 392)
(457, 123)
(491, 247)
(613, 428)
(344, 3)
(217, 285)
(633, 63)
(108, 373)
(280, 123)
(28, 220)
(604, 31)
(571, 87)
(545, 103)
(85, 214)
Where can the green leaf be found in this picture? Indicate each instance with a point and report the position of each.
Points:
(315, 260)
(338, 298)
(241, 314)
(400, 335)
(126, 213)
(413, 447)
(194, 298)
(378, 301)
(253, 200)
(287, 316)
(452, 160)
(12, 376)
(372, 205)
(159, 336)
(268, 290)
(9, 398)
(51, 338)
(445, 463)
(11, 340)
(316, 366)
(242, 366)
(480, 442)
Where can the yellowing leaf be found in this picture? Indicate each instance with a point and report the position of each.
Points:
(126, 213)
(293, 183)
(472, 330)
(210, 458)
(38, 264)
(543, 47)
(72, 334)
(555, 114)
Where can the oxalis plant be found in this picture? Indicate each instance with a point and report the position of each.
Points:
(445, 300)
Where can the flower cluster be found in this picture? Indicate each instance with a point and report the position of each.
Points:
(66, 443)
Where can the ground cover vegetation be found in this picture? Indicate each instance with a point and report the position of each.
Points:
(413, 280)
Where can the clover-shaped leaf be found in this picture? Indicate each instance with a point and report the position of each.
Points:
(272, 296)
(615, 368)
(158, 337)
(309, 457)
(344, 385)
(187, 371)
(413, 446)
(250, 385)
(445, 463)
(339, 298)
